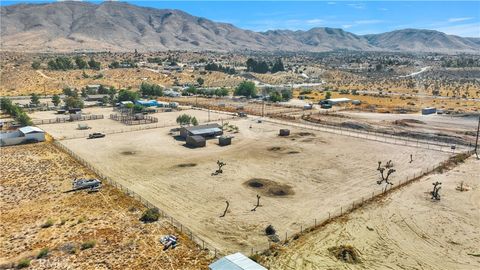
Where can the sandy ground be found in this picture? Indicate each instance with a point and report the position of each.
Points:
(404, 230)
(451, 128)
(106, 125)
(32, 183)
(324, 172)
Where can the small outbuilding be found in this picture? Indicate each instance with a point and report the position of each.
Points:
(196, 141)
(429, 110)
(22, 135)
(209, 130)
(224, 140)
(236, 261)
(284, 132)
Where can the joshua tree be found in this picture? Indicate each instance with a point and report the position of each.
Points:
(436, 188)
(390, 171)
(220, 165)
(258, 203)
(226, 209)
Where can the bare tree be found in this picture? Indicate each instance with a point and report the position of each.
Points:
(226, 209)
(258, 203)
(436, 189)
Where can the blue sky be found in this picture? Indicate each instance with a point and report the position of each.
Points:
(458, 18)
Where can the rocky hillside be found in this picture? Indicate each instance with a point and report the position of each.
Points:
(81, 26)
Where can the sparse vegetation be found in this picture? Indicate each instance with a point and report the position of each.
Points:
(48, 223)
(186, 119)
(150, 215)
(88, 244)
(42, 253)
(246, 88)
(23, 263)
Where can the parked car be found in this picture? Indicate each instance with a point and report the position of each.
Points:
(95, 135)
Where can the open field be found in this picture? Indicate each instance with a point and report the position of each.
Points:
(304, 176)
(37, 214)
(106, 125)
(404, 230)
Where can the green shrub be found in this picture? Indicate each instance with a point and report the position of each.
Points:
(150, 215)
(81, 220)
(88, 244)
(23, 263)
(43, 252)
(48, 223)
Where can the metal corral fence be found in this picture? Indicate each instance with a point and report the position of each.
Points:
(202, 244)
(376, 136)
(133, 119)
(67, 119)
(138, 128)
(286, 236)
(340, 211)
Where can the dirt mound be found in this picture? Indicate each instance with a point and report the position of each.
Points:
(345, 253)
(406, 122)
(303, 134)
(186, 165)
(283, 150)
(354, 125)
(269, 188)
(275, 148)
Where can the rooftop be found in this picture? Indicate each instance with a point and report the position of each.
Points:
(30, 129)
(236, 261)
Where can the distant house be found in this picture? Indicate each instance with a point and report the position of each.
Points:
(22, 135)
(97, 97)
(93, 87)
(236, 261)
(335, 101)
(147, 103)
(171, 93)
(209, 130)
(125, 103)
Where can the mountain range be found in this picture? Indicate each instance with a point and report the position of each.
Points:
(117, 26)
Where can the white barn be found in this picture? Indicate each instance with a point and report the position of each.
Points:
(236, 261)
(22, 135)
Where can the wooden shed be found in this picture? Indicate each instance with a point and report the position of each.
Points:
(196, 141)
(284, 132)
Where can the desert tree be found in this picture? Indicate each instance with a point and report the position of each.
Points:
(258, 203)
(388, 168)
(436, 189)
(34, 99)
(226, 209)
(220, 165)
(56, 100)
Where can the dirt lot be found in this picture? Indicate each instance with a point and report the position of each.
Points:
(304, 176)
(405, 230)
(37, 214)
(106, 125)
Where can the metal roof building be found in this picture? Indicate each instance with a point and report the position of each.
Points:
(334, 101)
(209, 130)
(236, 261)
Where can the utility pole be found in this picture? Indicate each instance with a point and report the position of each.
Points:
(476, 141)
